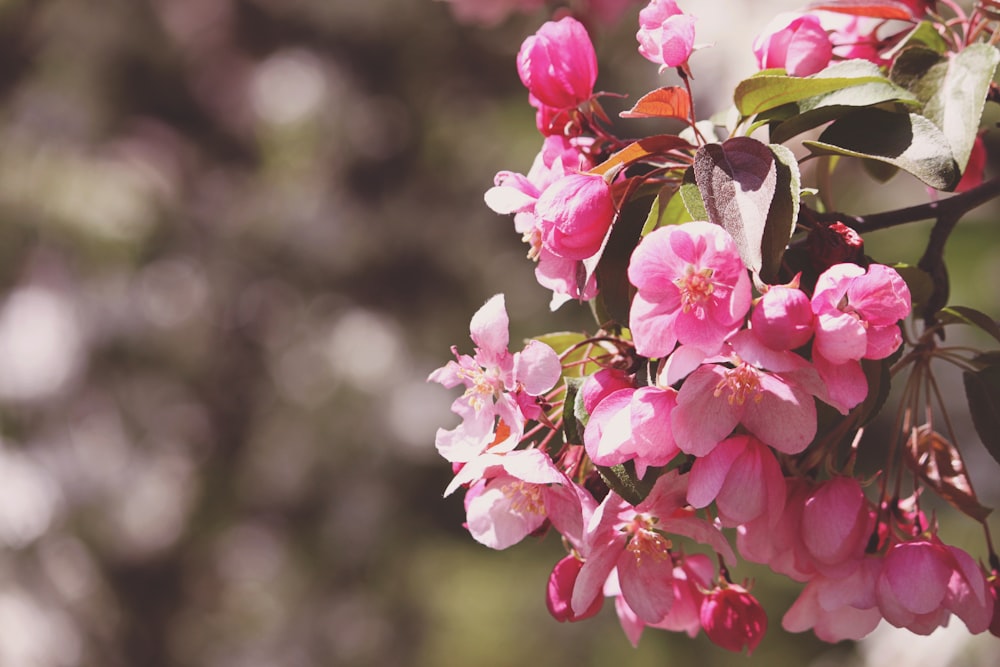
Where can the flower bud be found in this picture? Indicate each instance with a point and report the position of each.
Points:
(666, 34)
(732, 619)
(783, 318)
(834, 244)
(560, 591)
(558, 64)
(797, 43)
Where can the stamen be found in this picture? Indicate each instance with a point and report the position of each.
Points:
(742, 382)
(696, 287)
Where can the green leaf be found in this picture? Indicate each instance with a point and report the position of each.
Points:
(952, 88)
(782, 214)
(572, 427)
(737, 180)
(667, 209)
(691, 196)
(907, 141)
(925, 35)
(769, 89)
(970, 316)
(982, 390)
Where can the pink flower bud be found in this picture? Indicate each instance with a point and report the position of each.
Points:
(798, 43)
(837, 522)
(575, 214)
(558, 64)
(732, 619)
(666, 34)
(560, 592)
(783, 318)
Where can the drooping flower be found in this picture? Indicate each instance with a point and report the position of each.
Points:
(632, 425)
(559, 591)
(558, 64)
(744, 479)
(692, 287)
(924, 581)
(836, 609)
(491, 413)
(796, 42)
(837, 523)
(666, 34)
(733, 619)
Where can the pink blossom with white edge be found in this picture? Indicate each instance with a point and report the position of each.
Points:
(492, 377)
(666, 34)
(692, 287)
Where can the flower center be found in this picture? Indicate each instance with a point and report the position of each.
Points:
(695, 286)
(525, 498)
(742, 382)
(483, 385)
(644, 542)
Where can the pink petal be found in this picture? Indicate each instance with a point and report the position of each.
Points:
(489, 327)
(647, 583)
(537, 368)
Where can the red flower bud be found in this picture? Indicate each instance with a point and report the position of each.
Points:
(732, 619)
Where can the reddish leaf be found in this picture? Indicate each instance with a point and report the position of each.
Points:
(659, 144)
(939, 464)
(879, 9)
(668, 102)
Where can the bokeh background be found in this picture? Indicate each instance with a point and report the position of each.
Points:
(235, 237)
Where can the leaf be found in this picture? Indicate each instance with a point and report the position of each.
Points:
(667, 102)
(561, 342)
(769, 89)
(952, 88)
(666, 209)
(982, 390)
(782, 213)
(878, 9)
(919, 282)
(737, 180)
(907, 141)
(939, 464)
(878, 375)
(926, 35)
(691, 196)
(970, 316)
(572, 426)
(656, 145)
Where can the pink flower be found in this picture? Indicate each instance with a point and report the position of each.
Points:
(838, 609)
(783, 318)
(634, 540)
(666, 34)
(744, 479)
(796, 42)
(857, 312)
(491, 413)
(692, 287)
(924, 581)
(769, 392)
(575, 214)
(732, 619)
(602, 384)
(632, 425)
(558, 64)
(778, 544)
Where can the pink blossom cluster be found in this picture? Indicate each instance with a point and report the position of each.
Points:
(713, 405)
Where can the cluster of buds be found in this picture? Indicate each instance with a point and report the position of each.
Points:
(725, 394)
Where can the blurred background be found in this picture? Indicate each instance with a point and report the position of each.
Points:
(235, 237)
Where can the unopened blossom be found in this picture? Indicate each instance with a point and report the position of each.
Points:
(558, 64)
(924, 581)
(798, 43)
(636, 541)
(744, 479)
(559, 591)
(666, 34)
(574, 215)
(783, 318)
(733, 619)
(491, 414)
(692, 288)
(837, 524)
(858, 311)
(770, 392)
